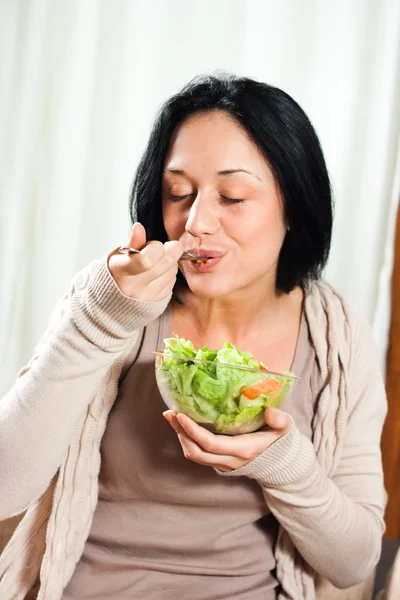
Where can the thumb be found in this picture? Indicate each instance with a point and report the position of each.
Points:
(137, 238)
(277, 419)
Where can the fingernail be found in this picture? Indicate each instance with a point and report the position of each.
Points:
(269, 414)
(166, 414)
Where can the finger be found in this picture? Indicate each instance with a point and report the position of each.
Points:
(151, 255)
(245, 446)
(155, 258)
(161, 286)
(146, 286)
(195, 453)
(174, 249)
(137, 238)
(170, 416)
(277, 420)
(207, 440)
(158, 259)
(240, 446)
(159, 256)
(164, 293)
(152, 260)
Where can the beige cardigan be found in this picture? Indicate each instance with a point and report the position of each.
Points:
(328, 496)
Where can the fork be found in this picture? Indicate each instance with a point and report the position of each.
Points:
(185, 255)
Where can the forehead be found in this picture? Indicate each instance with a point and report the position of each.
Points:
(214, 140)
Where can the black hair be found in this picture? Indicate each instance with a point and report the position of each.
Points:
(283, 133)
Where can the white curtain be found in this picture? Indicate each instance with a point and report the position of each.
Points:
(80, 82)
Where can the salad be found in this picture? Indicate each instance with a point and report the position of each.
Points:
(225, 393)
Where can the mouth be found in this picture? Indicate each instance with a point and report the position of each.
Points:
(206, 259)
(203, 254)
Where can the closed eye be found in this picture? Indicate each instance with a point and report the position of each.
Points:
(179, 198)
(227, 200)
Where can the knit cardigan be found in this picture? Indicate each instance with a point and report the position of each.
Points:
(326, 494)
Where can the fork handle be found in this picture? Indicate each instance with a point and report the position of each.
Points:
(126, 250)
(185, 255)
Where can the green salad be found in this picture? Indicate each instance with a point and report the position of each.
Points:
(215, 394)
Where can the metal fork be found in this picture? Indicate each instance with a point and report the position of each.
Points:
(185, 255)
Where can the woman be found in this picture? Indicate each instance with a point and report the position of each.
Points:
(125, 504)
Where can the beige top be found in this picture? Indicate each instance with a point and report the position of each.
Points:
(327, 496)
(165, 527)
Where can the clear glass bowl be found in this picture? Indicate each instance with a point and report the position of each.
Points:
(223, 398)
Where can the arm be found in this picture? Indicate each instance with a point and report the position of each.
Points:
(336, 524)
(88, 331)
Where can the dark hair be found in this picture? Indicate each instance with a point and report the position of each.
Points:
(285, 136)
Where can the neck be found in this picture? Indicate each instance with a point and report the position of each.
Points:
(237, 316)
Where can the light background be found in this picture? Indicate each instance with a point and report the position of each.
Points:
(81, 81)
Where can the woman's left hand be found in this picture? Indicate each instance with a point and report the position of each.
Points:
(222, 452)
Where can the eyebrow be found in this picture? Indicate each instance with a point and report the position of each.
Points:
(226, 172)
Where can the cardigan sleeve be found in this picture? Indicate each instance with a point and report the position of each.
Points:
(88, 331)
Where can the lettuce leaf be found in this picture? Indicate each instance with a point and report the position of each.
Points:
(212, 392)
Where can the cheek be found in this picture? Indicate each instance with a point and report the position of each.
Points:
(174, 221)
(261, 229)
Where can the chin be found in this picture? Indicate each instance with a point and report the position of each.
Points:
(214, 288)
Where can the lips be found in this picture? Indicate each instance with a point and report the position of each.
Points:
(206, 261)
(205, 253)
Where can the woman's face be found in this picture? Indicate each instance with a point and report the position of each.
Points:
(220, 200)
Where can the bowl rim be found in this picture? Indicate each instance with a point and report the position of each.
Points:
(213, 362)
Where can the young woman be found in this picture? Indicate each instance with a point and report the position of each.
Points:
(123, 503)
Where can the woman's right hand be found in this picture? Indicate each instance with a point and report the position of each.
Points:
(150, 275)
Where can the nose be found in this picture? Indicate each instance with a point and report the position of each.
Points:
(203, 217)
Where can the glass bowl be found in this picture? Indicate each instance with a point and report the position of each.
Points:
(223, 398)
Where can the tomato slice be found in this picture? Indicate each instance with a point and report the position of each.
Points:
(269, 385)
